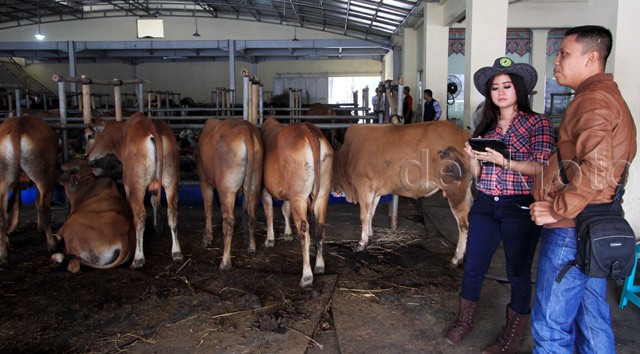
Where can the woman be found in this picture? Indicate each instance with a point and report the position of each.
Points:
(501, 209)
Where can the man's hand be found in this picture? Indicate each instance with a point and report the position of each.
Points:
(542, 213)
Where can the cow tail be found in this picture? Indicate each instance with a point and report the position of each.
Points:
(15, 143)
(314, 142)
(248, 177)
(156, 184)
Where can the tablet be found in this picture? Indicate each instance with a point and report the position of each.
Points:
(480, 144)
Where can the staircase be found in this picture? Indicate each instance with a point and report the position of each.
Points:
(31, 85)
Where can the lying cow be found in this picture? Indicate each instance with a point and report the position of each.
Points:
(99, 230)
(413, 160)
(229, 159)
(297, 169)
(149, 154)
(28, 151)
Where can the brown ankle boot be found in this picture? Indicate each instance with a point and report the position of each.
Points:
(463, 323)
(510, 337)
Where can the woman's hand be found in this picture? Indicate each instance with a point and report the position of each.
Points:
(475, 164)
(491, 155)
(469, 150)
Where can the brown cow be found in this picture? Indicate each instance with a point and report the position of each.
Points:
(149, 154)
(99, 230)
(297, 168)
(413, 160)
(229, 159)
(28, 151)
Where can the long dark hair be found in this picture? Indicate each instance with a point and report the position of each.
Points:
(491, 111)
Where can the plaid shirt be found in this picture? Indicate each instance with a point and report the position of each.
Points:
(529, 138)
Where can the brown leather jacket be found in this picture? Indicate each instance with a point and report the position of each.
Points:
(596, 138)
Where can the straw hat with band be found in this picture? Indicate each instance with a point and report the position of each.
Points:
(504, 65)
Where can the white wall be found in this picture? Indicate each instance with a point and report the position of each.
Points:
(195, 80)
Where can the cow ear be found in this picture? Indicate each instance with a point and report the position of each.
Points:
(74, 183)
(97, 171)
(96, 128)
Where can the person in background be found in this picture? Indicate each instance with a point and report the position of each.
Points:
(597, 139)
(432, 110)
(407, 105)
(500, 212)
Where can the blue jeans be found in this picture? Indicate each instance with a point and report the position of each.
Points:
(493, 219)
(573, 314)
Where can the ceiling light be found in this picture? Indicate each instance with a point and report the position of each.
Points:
(39, 36)
(196, 34)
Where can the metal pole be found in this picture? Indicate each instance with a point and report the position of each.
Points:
(140, 97)
(18, 105)
(245, 98)
(62, 98)
(261, 105)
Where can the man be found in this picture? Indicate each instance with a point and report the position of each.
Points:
(432, 110)
(595, 139)
(407, 106)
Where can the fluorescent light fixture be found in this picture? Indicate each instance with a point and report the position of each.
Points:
(150, 28)
(39, 36)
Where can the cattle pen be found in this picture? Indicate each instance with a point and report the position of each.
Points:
(397, 296)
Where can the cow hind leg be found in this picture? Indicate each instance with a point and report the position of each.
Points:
(3, 225)
(207, 199)
(43, 208)
(157, 214)
(320, 212)
(249, 222)
(15, 201)
(227, 204)
(367, 210)
(286, 212)
(171, 192)
(139, 218)
(460, 202)
(299, 209)
(267, 204)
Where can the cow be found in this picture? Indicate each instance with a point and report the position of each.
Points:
(414, 160)
(148, 152)
(297, 169)
(334, 135)
(28, 151)
(229, 157)
(99, 230)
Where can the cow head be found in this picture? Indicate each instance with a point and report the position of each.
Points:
(72, 173)
(93, 137)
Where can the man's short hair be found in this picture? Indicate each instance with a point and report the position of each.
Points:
(406, 88)
(429, 92)
(593, 37)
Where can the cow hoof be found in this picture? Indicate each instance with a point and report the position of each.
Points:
(306, 281)
(177, 256)
(288, 237)
(251, 250)
(225, 266)
(318, 270)
(73, 266)
(137, 263)
(269, 243)
(360, 248)
(206, 242)
(57, 257)
(453, 265)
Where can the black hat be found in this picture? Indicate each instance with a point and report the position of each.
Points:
(504, 65)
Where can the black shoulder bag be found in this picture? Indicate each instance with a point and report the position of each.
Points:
(606, 241)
